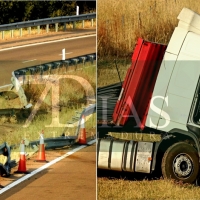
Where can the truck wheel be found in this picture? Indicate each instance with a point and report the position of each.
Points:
(181, 162)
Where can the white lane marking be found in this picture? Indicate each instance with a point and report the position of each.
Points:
(44, 167)
(35, 44)
(65, 53)
(28, 61)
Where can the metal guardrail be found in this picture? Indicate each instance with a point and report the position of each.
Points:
(76, 120)
(62, 141)
(54, 20)
(54, 65)
(41, 69)
(58, 142)
(86, 112)
(47, 21)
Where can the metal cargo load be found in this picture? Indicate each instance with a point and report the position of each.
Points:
(139, 83)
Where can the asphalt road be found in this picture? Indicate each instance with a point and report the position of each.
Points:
(13, 59)
(72, 178)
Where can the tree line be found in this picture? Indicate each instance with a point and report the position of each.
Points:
(18, 11)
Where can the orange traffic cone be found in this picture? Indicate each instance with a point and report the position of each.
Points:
(22, 161)
(82, 134)
(41, 153)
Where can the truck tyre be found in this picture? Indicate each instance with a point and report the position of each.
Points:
(181, 162)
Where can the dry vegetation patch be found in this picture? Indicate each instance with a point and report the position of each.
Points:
(117, 189)
(121, 23)
(72, 99)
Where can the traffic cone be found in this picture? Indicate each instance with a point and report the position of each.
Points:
(82, 134)
(41, 153)
(22, 161)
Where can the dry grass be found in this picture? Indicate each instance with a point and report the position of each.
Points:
(118, 189)
(72, 99)
(121, 23)
(107, 73)
(71, 91)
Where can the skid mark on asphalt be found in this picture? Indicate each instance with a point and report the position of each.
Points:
(44, 167)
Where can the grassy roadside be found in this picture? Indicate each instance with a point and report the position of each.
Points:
(72, 99)
(121, 23)
(107, 71)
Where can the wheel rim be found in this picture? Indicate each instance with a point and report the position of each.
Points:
(182, 166)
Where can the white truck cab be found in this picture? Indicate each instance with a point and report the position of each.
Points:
(175, 94)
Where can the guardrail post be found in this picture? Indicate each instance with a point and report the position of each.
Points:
(65, 26)
(75, 62)
(83, 24)
(66, 64)
(74, 25)
(20, 32)
(56, 27)
(92, 22)
(41, 71)
(91, 58)
(83, 59)
(38, 29)
(2, 35)
(29, 30)
(47, 28)
(11, 33)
